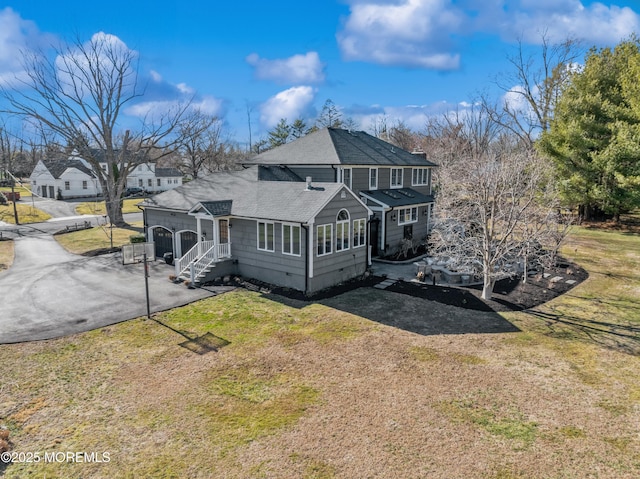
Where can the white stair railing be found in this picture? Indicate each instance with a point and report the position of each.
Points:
(183, 264)
(195, 264)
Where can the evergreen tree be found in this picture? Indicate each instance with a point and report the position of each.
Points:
(594, 139)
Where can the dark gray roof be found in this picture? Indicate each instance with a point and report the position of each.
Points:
(250, 198)
(397, 197)
(58, 167)
(334, 146)
(276, 173)
(168, 172)
(217, 208)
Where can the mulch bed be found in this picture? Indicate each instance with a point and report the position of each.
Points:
(510, 294)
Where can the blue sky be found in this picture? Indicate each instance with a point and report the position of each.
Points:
(401, 59)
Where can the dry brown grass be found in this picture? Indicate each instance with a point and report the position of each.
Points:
(313, 391)
(6, 254)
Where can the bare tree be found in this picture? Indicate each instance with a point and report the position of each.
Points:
(534, 84)
(202, 149)
(489, 212)
(79, 96)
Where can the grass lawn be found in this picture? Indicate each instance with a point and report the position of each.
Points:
(98, 207)
(6, 254)
(309, 390)
(26, 214)
(99, 237)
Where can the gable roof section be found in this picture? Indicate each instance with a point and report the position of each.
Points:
(397, 197)
(214, 208)
(249, 198)
(58, 167)
(335, 146)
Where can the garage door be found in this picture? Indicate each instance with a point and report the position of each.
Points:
(163, 240)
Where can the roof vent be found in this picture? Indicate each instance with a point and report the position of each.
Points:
(308, 183)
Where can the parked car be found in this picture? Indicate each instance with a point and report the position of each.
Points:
(134, 191)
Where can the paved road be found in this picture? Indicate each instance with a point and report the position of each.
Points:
(49, 292)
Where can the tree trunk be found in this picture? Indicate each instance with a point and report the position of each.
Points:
(487, 287)
(114, 211)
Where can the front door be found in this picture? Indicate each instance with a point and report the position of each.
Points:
(374, 227)
(163, 239)
(52, 192)
(223, 230)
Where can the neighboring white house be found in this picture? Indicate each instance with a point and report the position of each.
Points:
(153, 179)
(64, 179)
(74, 178)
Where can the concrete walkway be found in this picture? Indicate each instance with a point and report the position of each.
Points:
(48, 292)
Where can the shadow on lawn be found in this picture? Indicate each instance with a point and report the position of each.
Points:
(619, 337)
(446, 311)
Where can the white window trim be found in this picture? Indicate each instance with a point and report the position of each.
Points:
(411, 221)
(423, 174)
(291, 243)
(364, 222)
(375, 187)
(330, 225)
(346, 226)
(391, 185)
(266, 236)
(342, 171)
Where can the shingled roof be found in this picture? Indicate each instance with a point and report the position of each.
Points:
(335, 146)
(58, 167)
(248, 197)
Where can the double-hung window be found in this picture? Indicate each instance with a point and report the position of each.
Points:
(420, 177)
(325, 239)
(265, 236)
(373, 178)
(67, 185)
(345, 176)
(408, 215)
(342, 230)
(359, 232)
(85, 185)
(396, 177)
(291, 239)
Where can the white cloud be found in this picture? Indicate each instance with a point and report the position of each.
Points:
(421, 33)
(597, 23)
(297, 69)
(414, 33)
(16, 36)
(290, 104)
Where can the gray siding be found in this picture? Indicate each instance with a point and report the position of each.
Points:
(172, 220)
(359, 179)
(395, 233)
(325, 174)
(272, 267)
(339, 266)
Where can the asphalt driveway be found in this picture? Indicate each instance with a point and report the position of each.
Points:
(49, 292)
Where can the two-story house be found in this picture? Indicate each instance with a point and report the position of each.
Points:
(306, 215)
(394, 183)
(75, 178)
